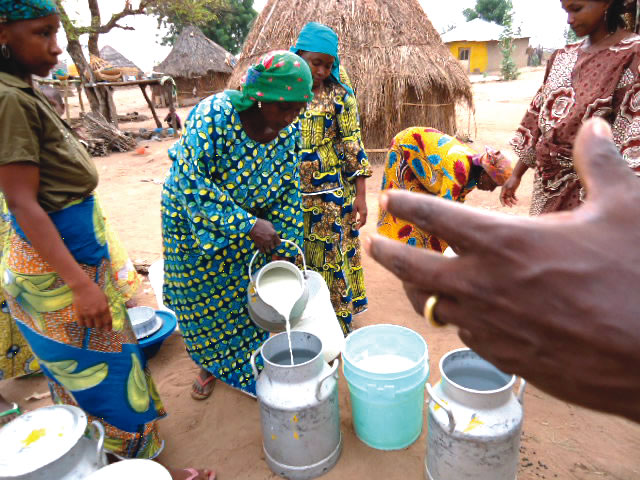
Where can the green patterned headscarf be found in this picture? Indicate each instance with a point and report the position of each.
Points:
(279, 76)
(14, 10)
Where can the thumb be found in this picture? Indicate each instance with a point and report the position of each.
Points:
(601, 168)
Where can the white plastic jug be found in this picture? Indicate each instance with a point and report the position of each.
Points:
(320, 319)
(156, 279)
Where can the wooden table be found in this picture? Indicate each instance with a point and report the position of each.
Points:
(168, 85)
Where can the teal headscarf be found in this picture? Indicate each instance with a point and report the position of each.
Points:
(318, 38)
(14, 10)
(279, 76)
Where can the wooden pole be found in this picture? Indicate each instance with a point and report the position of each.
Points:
(65, 85)
(111, 106)
(79, 89)
(153, 110)
(174, 122)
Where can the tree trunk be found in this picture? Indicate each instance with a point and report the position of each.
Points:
(93, 44)
(99, 98)
(95, 24)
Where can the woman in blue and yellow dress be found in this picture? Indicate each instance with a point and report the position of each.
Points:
(233, 188)
(334, 167)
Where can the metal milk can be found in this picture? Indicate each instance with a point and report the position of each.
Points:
(474, 421)
(298, 407)
(263, 314)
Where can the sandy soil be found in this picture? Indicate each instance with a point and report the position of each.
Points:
(559, 440)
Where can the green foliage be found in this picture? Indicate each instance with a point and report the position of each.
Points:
(196, 12)
(570, 35)
(470, 14)
(228, 24)
(508, 67)
(489, 10)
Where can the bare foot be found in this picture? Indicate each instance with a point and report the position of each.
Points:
(12, 410)
(192, 474)
(203, 385)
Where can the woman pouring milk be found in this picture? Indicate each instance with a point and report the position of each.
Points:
(233, 188)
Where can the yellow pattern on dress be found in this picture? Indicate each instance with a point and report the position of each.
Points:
(425, 160)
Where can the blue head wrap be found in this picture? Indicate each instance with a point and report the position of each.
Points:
(14, 10)
(318, 38)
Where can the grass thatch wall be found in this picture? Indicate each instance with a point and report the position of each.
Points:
(402, 72)
(116, 59)
(194, 55)
(204, 86)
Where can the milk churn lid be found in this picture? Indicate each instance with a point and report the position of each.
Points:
(38, 438)
(134, 469)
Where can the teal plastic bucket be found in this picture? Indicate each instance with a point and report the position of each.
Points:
(386, 407)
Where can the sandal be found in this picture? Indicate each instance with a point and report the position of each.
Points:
(196, 395)
(194, 473)
(14, 410)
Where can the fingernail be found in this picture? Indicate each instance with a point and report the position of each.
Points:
(602, 129)
(384, 200)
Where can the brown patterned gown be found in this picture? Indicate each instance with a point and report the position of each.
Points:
(579, 85)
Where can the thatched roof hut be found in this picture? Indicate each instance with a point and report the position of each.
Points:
(116, 59)
(402, 72)
(199, 66)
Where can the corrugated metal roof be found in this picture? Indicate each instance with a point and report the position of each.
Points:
(477, 30)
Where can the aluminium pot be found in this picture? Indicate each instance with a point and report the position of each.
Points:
(51, 443)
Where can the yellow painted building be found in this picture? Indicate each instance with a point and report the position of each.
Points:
(475, 53)
(476, 46)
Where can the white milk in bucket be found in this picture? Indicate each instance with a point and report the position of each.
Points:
(281, 289)
(387, 363)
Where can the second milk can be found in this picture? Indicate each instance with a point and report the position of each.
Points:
(298, 406)
(474, 421)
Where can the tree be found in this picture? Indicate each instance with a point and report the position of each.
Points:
(100, 100)
(508, 67)
(229, 28)
(570, 35)
(489, 10)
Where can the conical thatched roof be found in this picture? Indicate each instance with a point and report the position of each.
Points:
(194, 55)
(402, 72)
(116, 59)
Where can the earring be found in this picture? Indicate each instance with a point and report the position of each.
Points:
(4, 50)
(260, 105)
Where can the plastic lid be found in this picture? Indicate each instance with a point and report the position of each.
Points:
(135, 469)
(39, 438)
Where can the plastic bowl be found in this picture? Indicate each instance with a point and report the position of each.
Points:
(151, 345)
(144, 321)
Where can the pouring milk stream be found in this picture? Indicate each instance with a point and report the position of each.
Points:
(281, 289)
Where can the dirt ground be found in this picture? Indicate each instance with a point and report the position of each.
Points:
(559, 440)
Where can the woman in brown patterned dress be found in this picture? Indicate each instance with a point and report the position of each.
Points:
(598, 76)
(333, 170)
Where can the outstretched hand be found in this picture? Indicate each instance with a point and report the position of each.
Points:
(508, 192)
(553, 298)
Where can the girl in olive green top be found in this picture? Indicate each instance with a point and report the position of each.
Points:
(58, 279)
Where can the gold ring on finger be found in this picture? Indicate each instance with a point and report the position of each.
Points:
(430, 311)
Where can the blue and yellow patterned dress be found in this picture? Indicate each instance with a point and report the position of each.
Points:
(220, 183)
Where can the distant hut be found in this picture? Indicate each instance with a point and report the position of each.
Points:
(476, 45)
(402, 72)
(198, 65)
(122, 63)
